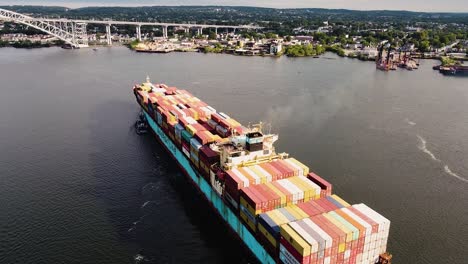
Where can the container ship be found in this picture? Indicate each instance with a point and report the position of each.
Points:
(280, 210)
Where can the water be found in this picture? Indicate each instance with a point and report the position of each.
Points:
(77, 185)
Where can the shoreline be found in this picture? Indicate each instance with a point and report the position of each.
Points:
(198, 50)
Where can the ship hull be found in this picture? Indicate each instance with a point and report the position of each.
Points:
(229, 217)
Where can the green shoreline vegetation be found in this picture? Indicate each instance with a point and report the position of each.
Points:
(27, 44)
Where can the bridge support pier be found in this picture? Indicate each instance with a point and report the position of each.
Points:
(138, 32)
(109, 35)
(199, 31)
(186, 30)
(216, 31)
(165, 32)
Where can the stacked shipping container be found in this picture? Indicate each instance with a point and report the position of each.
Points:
(351, 235)
(292, 211)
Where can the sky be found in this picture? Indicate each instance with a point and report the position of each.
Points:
(412, 5)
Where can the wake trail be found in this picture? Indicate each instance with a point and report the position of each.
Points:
(409, 122)
(451, 173)
(423, 147)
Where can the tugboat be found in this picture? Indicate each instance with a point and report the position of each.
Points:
(141, 125)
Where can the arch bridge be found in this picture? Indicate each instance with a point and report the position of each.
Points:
(73, 32)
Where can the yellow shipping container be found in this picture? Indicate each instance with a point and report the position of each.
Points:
(267, 235)
(341, 201)
(304, 167)
(293, 212)
(302, 187)
(195, 114)
(145, 87)
(278, 217)
(349, 233)
(263, 178)
(299, 211)
(301, 246)
(278, 192)
(315, 190)
(191, 129)
(249, 208)
(247, 220)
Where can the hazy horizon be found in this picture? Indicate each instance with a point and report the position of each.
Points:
(459, 6)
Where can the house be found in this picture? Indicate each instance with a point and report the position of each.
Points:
(305, 38)
(370, 52)
(275, 48)
(354, 46)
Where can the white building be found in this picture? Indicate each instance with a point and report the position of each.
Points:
(276, 48)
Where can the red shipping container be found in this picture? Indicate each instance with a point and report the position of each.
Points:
(317, 206)
(327, 205)
(216, 117)
(335, 237)
(375, 226)
(341, 233)
(285, 173)
(290, 167)
(267, 204)
(276, 174)
(289, 196)
(224, 123)
(275, 198)
(253, 198)
(324, 185)
(304, 207)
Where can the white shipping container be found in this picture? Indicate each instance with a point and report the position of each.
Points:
(306, 236)
(328, 239)
(264, 172)
(211, 109)
(190, 120)
(292, 189)
(298, 168)
(315, 235)
(242, 177)
(253, 175)
(361, 221)
(311, 185)
(223, 115)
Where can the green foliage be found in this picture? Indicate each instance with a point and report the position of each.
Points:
(29, 44)
(304, 50)
(447, 61)
(424, 46)
(134, 44)
(336, 49)
(217, 48)
(270, 35)
(212, 35)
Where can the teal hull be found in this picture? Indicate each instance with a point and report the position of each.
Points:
(211, 195)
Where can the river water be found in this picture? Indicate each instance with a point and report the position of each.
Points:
(77, 185)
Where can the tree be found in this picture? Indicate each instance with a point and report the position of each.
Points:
(270, 35)
(424, 46)
(212, 35)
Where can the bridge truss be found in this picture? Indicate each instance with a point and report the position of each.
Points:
(71, 32)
